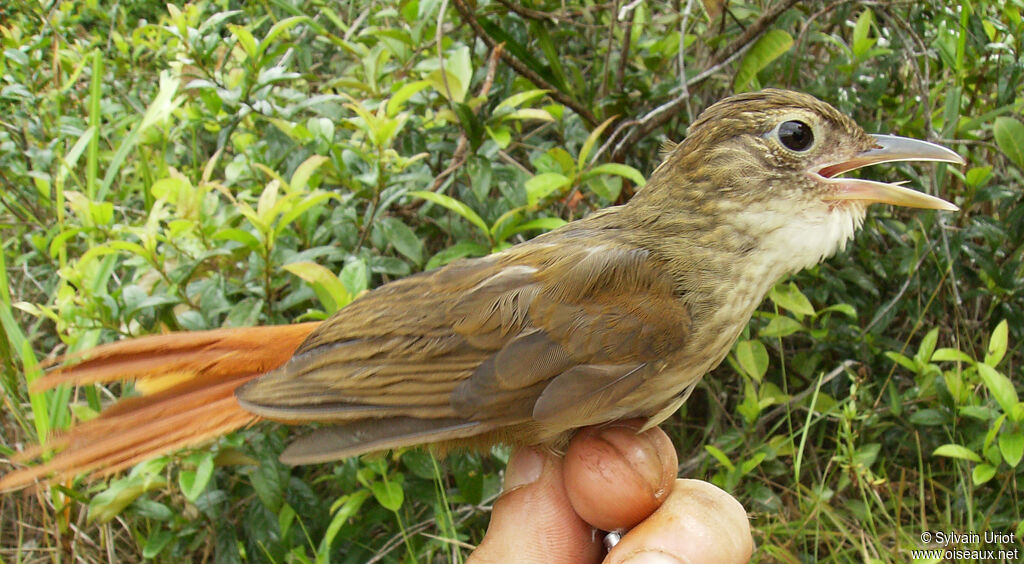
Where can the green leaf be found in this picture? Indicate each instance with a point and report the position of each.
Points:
(845, 309)
(245, 39)
(400, 97)
(999, 386)
(561, 157)
(459, 64)
(265, 206)
(388, 493)
(1009, 134)
(720, 457)
(421, 463)
(541, 223)
(193, 482)
(866, 455)
(456, 251)
(861, 42)
(446, 83)
(752, 357)
(997, 344)
(788, 296)
(543, 184)
(607, 187)
(529, 113)
(947, 354)
(781, 326)
(979, 412)
(592, 139)
(1011, 446)
(617, 169)
(345, 508)
(983, 473)
(328, 288)
(471, 124)
(285, 518)
(356, 277)
(514, 101)
(403, 238)
(276, 30)
(951, 450)
(296, 209)
(302, 172)
(928, 417)
(927, 347)
(753, 462)
(240, 236)
(500, 134)
(158, 110)
(769, 47)
(455, 206)
(109, 503)
(156, 542)
(978, 176)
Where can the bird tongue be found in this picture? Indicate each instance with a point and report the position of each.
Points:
(889, 148)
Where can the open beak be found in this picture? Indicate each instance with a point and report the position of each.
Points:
(888, 148)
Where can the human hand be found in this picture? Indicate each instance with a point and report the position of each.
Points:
(611, 478)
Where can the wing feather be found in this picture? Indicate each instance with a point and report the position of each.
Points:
(556, 334)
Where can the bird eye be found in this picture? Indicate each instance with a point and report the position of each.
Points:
(796, 135)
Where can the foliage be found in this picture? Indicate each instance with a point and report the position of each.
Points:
(221, 163)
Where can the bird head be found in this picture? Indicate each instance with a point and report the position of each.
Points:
(767, 164)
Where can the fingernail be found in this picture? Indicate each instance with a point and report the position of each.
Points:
(523, 468)
(651, 557)
(639, 452)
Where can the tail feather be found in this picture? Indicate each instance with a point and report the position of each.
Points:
(188, 382)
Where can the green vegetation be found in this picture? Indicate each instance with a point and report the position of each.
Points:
(229, 163)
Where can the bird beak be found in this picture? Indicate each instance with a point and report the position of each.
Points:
(889, 148)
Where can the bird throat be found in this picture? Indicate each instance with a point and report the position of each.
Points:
(725, 256)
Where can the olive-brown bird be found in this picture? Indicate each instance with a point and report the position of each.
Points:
(613, 316)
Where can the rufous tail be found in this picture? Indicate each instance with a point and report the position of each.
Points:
(186, 381)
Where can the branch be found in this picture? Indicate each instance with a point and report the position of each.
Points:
(522, 69)
(658, 116)
(462, 149)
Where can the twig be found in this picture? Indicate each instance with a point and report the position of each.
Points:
(906, 31)
(924, 93)
(810, 389)
(563, 16)
(657, 117)
(528, 13)
(949, 259)
(691, 463)
(464, 512)
(462, 149)
(510, 160)
(522, 69)
(627, 38)
(355, 24)
(627, 10)
(602, 89)
(899, 294)
(438, 38)
(682, 56)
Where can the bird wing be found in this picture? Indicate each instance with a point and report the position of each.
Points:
(534, 333)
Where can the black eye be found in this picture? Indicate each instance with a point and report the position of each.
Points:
(796, 135)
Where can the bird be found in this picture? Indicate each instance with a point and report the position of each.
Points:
(617, 315)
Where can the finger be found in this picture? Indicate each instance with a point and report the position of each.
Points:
(697, 523)
(533, 521)
(615, 477)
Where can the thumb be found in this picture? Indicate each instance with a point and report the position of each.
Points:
(533, 521)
